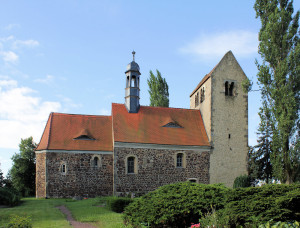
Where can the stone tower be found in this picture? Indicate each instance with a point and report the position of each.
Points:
(132, 90)
(224, 108)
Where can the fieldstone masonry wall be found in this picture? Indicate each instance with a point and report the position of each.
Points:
(40, 175)
(157, 167)
(81, 178)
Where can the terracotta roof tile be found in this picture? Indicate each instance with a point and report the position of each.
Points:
(61, 129)
(146, 126)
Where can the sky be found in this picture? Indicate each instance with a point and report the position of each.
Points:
(70, 56)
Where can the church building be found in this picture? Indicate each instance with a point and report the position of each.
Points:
(140, 148)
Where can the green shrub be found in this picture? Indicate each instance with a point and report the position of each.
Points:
(280, 225)
(253, 205)
(175, 205)
(19, 221)
(242, 181)
(9, 197)
(117, 204)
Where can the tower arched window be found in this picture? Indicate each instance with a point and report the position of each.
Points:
(202, 95)
(229, 88)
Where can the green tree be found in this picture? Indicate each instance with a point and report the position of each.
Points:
(158, 90)
(260, 167)
(1, 178)
(278, 77)
(23, 170)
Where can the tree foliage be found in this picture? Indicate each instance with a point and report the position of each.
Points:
(158, 90)
(279, 80)
(259, 164)
(23, 170)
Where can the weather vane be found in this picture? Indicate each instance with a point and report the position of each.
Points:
(133, 53)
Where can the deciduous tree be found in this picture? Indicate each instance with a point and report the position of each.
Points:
(158, 90)
(23, 169)
(279, 80)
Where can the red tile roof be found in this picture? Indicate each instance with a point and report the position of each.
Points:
(61, 129)
(146, 126)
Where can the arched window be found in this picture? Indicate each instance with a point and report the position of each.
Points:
(130, 165)
(202, 95)
(179, 160)
(197, 99)
(96, 161)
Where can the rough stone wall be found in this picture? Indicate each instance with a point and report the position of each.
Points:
(40, 175)
(205, 106)
(229, 123)
(80, 178)
(157, 167)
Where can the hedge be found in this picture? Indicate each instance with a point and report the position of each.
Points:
(175, 205)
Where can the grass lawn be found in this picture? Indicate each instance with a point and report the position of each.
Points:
(43, 213)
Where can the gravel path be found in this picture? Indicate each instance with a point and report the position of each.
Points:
(72, 221)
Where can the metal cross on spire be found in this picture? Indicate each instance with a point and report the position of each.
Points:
(133, 53)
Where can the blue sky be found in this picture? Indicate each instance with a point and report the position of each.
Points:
(70, 56)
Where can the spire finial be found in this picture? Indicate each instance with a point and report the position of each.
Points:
(133, 53)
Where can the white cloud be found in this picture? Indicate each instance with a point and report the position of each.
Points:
(5, 39)
(22, 113)
(47, 80)
(25, 43)
(9, 56)
(11, 26)
(211, 46)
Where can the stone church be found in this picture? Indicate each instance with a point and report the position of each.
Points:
(139, 148)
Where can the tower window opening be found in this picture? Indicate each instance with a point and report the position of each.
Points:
(133, 82)
(229, 136)
(229, 86)
(202, 95)
(226, 88)
(197, 99)
(231, 89)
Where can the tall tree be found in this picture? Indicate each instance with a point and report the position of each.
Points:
(1, 178)
(279, 80)
(158, 90)
(23, 169)
(260, 167)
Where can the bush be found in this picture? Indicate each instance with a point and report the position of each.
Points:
(242, 181)
(253, 205)
(175, 205)
(117, 204)
(19, 221)
(9, 197)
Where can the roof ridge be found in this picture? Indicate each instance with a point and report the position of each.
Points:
(70, 114)
(50, 127)
(147, 106)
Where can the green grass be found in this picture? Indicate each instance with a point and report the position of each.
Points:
(43, 213)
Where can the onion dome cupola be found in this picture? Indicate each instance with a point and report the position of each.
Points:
(132, 90)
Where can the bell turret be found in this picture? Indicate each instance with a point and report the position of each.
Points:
(132, 90)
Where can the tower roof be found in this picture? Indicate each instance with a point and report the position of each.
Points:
(133, 66)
